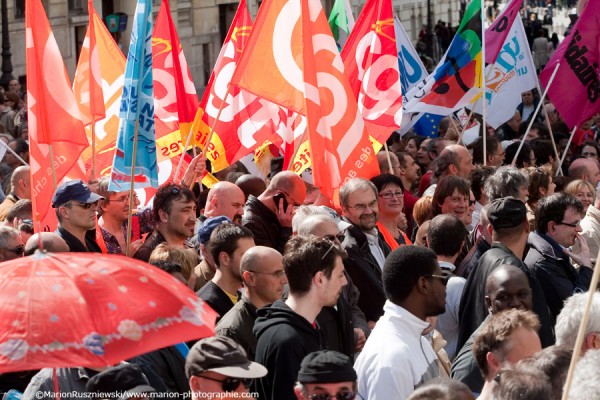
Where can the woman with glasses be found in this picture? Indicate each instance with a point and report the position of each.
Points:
(391, 221)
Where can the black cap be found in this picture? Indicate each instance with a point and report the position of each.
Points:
(506, 212)
(127, 379)
(326, 366)
(208, 226)
(223, 355)
(74, 190)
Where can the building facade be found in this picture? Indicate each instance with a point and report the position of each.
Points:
(201, 25)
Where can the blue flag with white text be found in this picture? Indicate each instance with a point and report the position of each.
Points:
(137, 107)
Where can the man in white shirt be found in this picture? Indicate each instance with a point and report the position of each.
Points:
(396, 358)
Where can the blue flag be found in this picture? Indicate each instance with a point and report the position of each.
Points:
(137, 107)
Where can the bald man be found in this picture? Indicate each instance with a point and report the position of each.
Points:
(20, 188)
(335, 322)
(51, 242)
(384, 164)
(264, 281)
(251, 185)
(585, 169)
(269, 216)
(225, 199)
(505, 288)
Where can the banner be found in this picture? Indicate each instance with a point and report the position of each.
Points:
(54, 120)
(286, 38)
(137, 110)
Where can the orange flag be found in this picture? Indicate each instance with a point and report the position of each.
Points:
(245, 121)
(293, 42)
(371, 62)
(53, 114)
(98, 85)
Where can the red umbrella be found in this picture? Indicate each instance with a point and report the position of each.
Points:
(91, 310)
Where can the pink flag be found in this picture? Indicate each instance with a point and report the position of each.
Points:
(576, 87)
(496, 34)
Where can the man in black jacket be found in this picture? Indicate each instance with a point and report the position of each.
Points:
(264, 280)
(508, 217)
(558, 218)
(269, 216)
(364, 246)
(287, 331)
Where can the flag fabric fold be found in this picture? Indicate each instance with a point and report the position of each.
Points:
(341, 22)
(54, 120)
(292, 40)
(137, 108)
(495, 35)
(456, 81)
(575, 90)
(98, 86)
(371, 62)
(511, 74)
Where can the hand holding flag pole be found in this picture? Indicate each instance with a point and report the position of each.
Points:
(535, 113)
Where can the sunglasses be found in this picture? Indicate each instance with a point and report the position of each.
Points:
(230, 384)
(347, 395)
(443, 278)
(175, 190)
(20, 250)
(340, 237)
(86, 206)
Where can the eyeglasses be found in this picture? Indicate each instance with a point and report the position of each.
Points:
(443, 278)
(346, 395)
(230, 384)
(389, 195)
(340, 237)
(20, 250)
(86, 206)
(277, 274)
(575, 225)
(362, 207)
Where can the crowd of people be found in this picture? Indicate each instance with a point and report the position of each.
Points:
(461, 271)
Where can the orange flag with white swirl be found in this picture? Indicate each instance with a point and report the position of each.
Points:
(293, 42)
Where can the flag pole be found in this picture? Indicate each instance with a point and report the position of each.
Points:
(3, 144)
(564, 155)
(484, 133)
(94, 147)
(535, 113)
(193, 129)
(389, 160)
(212, 129)
(582, 329)
(52, 166)
(131, 198)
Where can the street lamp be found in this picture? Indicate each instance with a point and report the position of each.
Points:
(429, 33)
(7, 67)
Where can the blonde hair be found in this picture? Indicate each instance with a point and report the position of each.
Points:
(185, 257)
(575, 186)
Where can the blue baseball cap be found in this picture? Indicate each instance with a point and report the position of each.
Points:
(74, 190)
(208, 226)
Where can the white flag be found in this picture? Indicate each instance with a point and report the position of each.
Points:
(512, 74)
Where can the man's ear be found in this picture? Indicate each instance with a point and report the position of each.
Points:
(195, 384)
(453, 169)
(493, 363)
(163, 216)
(224, 259)
(423, 285)
(592, 341)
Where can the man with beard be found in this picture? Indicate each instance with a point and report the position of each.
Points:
(558, 218)
(76, 206)
(397, 358)
(287, 331)
(364, 245)
(227, 244)
(174, 210)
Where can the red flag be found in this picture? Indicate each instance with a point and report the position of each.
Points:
(371, 62)
(53, 114)
(293, 42)
(174, 91)
(575, 91)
